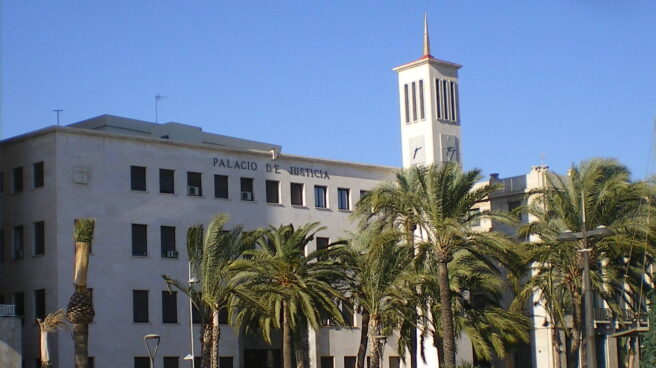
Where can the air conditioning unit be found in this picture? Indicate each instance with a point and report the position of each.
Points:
(194, 191)
(171, 254)
(246, 196)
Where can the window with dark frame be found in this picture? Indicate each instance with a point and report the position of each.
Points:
(19, 247)
(19, 302)
(169, 307)
(167, 234)
(226, 362)
(472, 212)
(2, 246)
(223, 316)
(347, 314)
(394, 362)
(422, 115)
(221, 186)
(272, 191)
(445, 100)
(40, 303)
(246, 185)
(2, 182)
(296, 191)
(454, 116)
(138, 178)
(91, 362)
(141, 362)
(322, 243)
(407, 103)
(327, 362)
(37, 174)
(140, 306)
(139, 240)
(349, 361)
(171, 362)
(167, 181)
(320, 196)
(39, 238)
(195, 313)
(17, 176)
(343, 198)
(438, 100)
(194, 184)
(414, 101)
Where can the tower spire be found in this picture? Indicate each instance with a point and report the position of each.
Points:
(426, 38)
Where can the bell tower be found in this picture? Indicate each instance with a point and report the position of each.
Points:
(429, 106)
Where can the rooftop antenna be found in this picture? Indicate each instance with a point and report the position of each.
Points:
(157, 98)
(58, 111)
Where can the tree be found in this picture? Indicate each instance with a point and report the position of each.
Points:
(48, 325)
(602, 189)
(446, 220)
(211, 256)
(80, 307)
(648, 339)
(383, 281)
(293, 289)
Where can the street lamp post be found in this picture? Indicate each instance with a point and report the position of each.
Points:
(599, 232)
(192, 281)
(152, 354)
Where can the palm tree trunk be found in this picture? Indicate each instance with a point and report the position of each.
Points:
(632, 352)
(216, 336)
(446, 315)
(374, 330)
(557, 347)
(364, 335)
(45, 352)
(438, 342)
(206, 343)
(577, 318)
(81, 342)
(286, 339)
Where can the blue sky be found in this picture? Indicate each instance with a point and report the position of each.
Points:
(543, 81)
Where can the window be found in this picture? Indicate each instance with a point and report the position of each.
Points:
(272, 191)
(347, 314)
(139, 240)
(414, 101)
(394, 362)
(512, 205)
(343, 199)
(18, 179)
(91, 362)
(194, 184)
(169, 307)
(39, 238)
(247, 189)
(220, 186)
(18, 242)
(407, 104)
(2, 246)
(320, 196)
(422, 115)
(472, 212)
(445, 99)
(140, 306)
(40, 303)
(349, 361)
(296, 190)
(37, 174)
(223, 316)
(195, 313)
(166, 181)
(171, 362)
(19, 302)
(454, 111)
(167, 234)
(226, 362)
(2, 182)
(363, 193)
(138, 178)
(327, 362)
(322, 243)
(141, 362)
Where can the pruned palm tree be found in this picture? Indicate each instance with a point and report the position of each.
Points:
(80, 307)
(48, 325)
(446, 220)
(293, 289)
(381, 265)
(211, 254)
(603, 188)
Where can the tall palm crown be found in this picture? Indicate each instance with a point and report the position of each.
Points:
(291, 287)
(602, 188)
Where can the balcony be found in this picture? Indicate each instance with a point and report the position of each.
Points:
(7, 310)
(626, 316)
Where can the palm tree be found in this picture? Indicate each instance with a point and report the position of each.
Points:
(383, 281)
(80, 307)
(293, 289)
(445, 218)
(603, 188)
(49, 325)
(210, 256)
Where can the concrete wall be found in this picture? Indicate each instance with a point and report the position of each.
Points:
(10, 342)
